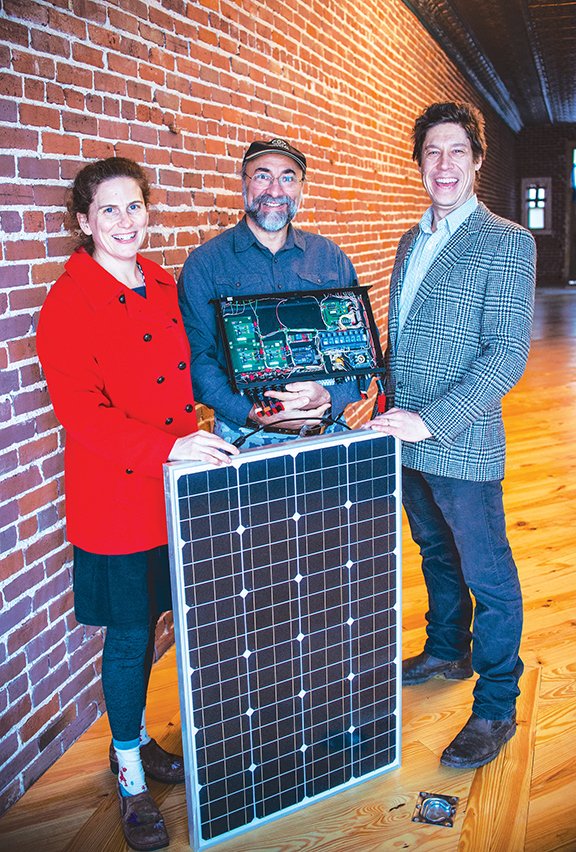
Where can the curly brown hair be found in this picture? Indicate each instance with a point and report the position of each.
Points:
(87, 182)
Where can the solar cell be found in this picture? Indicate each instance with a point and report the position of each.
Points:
(285, 575)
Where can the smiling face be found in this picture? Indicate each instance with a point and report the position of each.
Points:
(270, 206)
(448, 168)
(117, 221)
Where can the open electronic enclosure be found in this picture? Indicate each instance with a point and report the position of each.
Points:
(271, 340)
(286, 594)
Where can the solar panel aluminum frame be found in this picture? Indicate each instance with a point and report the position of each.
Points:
(357, 448)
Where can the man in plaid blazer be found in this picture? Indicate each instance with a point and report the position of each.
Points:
(460, 315)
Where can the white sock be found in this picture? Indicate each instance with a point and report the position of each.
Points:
(131, 774)
(144, 736)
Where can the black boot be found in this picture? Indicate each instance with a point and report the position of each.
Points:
(479, 742)
(423, 667)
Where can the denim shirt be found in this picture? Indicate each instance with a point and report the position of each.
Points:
(235, 263)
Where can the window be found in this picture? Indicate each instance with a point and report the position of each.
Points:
(537, 204)
(574, 169)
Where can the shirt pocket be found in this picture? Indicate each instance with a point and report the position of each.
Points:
(317, 280)
(241, 284)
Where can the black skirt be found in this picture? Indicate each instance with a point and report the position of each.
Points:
(121, 591)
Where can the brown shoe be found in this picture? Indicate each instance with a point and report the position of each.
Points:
(479, 742)
(424, 667)
(142, 822)
(158, 764)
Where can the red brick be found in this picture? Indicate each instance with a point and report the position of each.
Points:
(75, 100)
(12, 193)
(34, 221)
(53, 143)
(46, 273)
(112, 108)
(71, 24)
(13, 327)
(49, 684)
(10, 221)
(43, 546)
(122, 65)
(61, 246)
(8, 111)
(29, 11)
(71, 75)
(94, 103)
(151, 34)
(44, 42)
(49, 196)
(33, 65)
(39, 718)
(94, 149)
(113, 83)
(53, 589)
(19, 138)
(77, 123)
(18, 586)
(91, 10)
(34, 500)
(31, 401)
(87, 55)
(25, 298)
(35, 168)
(152, 73)
(70, 168)
(105, 37)
(113, 129)
(24, 250)
(122, 22)
(13, 32)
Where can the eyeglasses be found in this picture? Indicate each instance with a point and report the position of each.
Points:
(265, 179)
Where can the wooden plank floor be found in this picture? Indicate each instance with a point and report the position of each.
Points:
(524, 799)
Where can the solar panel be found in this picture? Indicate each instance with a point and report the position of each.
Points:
(285, 575)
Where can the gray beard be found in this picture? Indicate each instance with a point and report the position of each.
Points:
(273, 220)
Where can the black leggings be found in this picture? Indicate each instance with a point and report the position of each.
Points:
(126, 665)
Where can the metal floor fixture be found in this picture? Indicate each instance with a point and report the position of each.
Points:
(285, 574)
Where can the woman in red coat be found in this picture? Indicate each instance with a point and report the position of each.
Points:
(117, 362)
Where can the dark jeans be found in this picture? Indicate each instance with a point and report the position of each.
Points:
(461, 531)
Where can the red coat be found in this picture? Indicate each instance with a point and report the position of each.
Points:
(118, 372)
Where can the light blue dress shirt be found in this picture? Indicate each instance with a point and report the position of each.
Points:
(425, 249)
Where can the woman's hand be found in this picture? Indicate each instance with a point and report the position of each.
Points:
(203, 446)
(406, 425)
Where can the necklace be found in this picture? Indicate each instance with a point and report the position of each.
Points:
(141, 271)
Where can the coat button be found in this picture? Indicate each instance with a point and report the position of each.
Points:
(160, 379)
(147, 338)
(182, 365)
(128, 470)
(189, 408)
(122, 298)
(168, 421)
(174, 320)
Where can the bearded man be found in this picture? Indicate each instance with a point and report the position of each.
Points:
(263, 253)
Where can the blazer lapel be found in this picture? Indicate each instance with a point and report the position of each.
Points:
(397, 280)
(457, 247)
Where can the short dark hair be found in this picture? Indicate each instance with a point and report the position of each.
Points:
(89, 179)
(466, 115)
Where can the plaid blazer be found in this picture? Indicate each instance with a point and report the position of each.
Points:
(464, 344)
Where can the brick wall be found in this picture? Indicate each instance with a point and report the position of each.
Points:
(547, 152)
(181, 87)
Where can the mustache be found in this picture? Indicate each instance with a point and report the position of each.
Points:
(266, 198)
